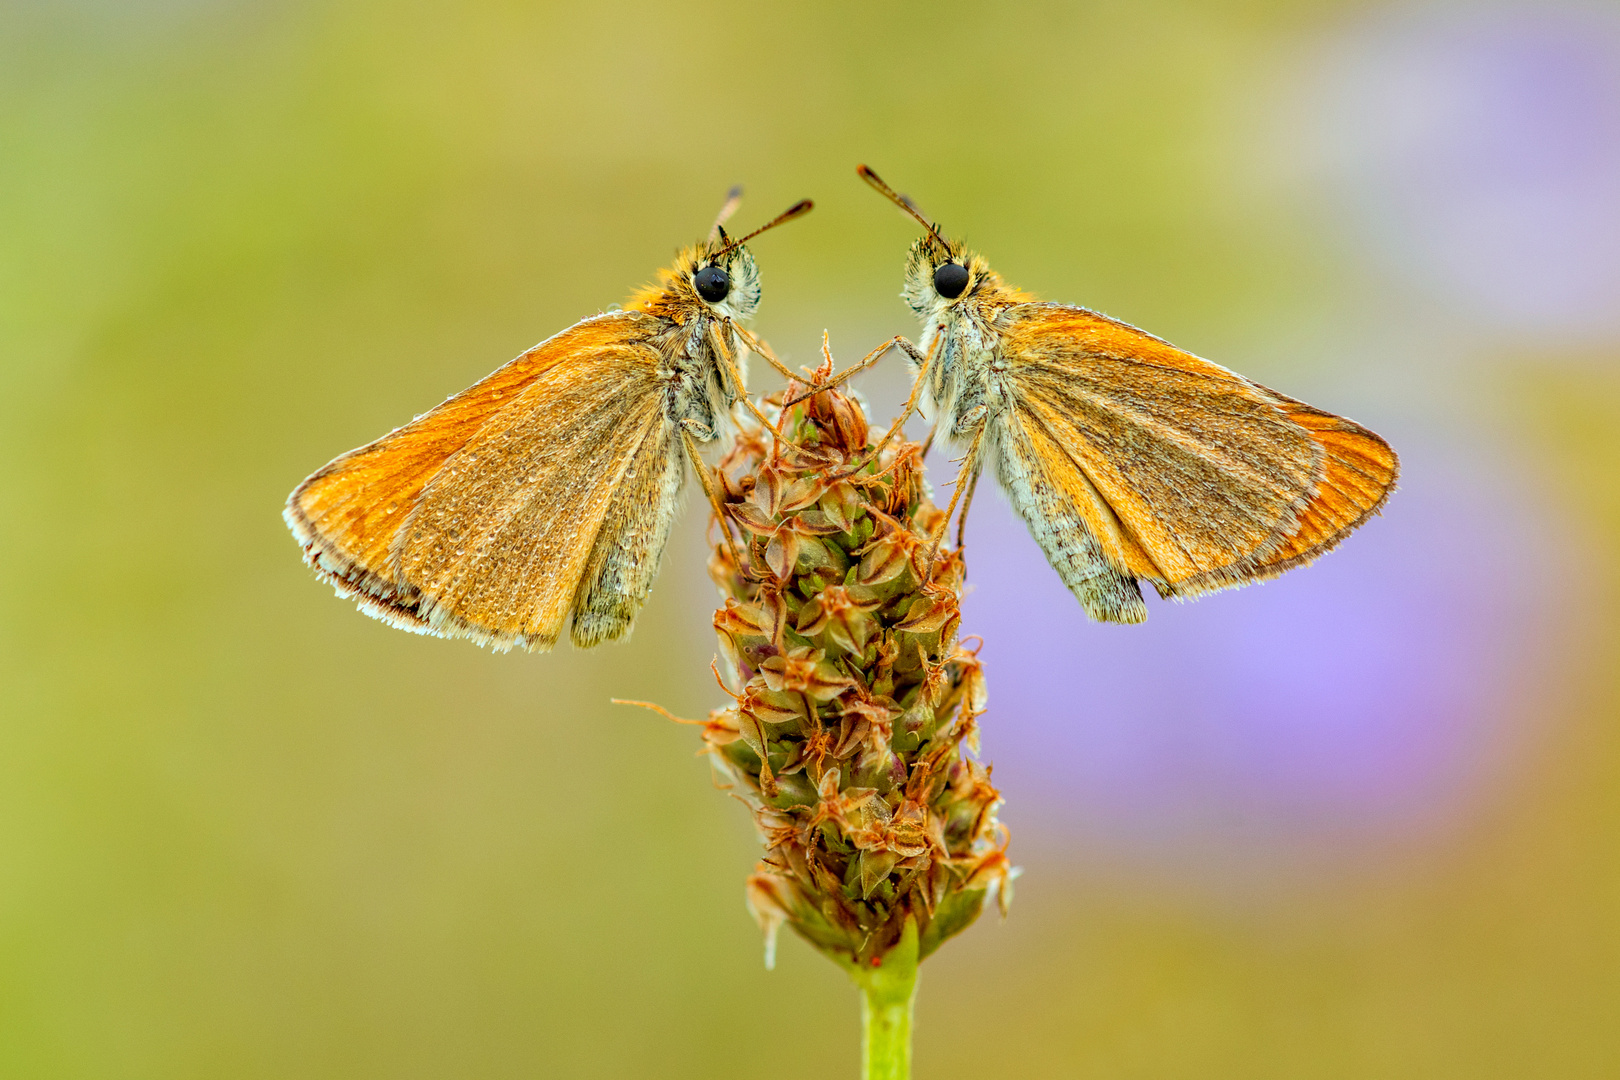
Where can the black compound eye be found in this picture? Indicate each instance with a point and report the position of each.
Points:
(712, 283)
(951, 280)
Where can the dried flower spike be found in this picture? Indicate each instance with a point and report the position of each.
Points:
(855, 705)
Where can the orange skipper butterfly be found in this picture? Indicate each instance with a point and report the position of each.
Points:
(1129, 459)
(542, 495)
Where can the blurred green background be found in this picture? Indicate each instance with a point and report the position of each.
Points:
(245, 832)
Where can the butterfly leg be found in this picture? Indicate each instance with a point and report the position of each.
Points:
(865, 362)
(723, 354)
(905, 414)
(758, 347)
(714, 496)
(966, 477)
(967, 504)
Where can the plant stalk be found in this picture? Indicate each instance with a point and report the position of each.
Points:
(888, 993)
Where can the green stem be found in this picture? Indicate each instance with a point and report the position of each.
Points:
(888, 992)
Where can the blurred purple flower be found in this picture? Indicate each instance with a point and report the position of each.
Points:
(1477, 151)
(1359, 701)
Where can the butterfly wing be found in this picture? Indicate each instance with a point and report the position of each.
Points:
(1180, 471)
(1360, 470)
(478, 518)
(1081, 536)
(629, 546)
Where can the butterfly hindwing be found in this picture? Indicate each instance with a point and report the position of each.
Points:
(624, 560)
(1073, 524)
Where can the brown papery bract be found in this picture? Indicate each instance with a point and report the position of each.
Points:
(855, 714)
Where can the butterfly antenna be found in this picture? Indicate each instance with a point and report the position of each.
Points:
(733, 200)
(902, 202)
(798, 209)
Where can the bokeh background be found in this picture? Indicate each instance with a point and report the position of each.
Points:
(1362, 821)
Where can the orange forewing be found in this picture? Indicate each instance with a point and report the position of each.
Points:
(351, 515)
(1361, 470)
(1198, 468)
